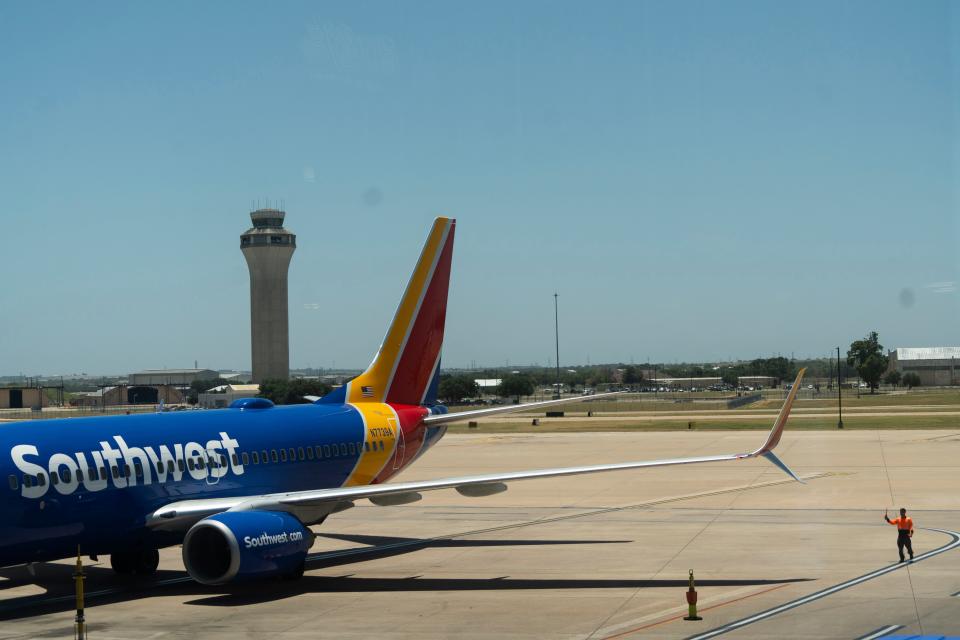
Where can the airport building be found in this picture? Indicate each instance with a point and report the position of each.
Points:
(129, 394)
(22, 398)
(179, 377)
(268, 248)
(936, 366)
(221, 397)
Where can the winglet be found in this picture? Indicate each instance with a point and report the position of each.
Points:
(773, 439)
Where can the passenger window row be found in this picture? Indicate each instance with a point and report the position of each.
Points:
(318, 452)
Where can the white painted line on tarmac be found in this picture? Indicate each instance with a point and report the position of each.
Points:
(613, 629)
(769, 613)
(879, 633)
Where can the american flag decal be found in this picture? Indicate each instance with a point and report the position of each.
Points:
(367, 392)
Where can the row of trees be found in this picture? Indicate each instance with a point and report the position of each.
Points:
(292, 391)
(454, 388)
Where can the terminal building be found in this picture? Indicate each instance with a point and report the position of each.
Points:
(936, 366)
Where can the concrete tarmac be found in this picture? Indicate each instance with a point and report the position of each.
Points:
(599, 556)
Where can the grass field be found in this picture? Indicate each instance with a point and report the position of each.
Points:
(929, 399)
(654, 424)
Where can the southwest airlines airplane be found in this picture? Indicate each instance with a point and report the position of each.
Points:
(240, 487)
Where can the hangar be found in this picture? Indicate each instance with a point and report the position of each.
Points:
(179, 377)
(936, 366)
(22, 398)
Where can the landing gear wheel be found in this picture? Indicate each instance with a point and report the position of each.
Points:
(297, 573)
(146, 562)
(142, 562)
(122, 562)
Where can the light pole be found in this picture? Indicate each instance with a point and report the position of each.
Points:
(839, 394)
(556, 330)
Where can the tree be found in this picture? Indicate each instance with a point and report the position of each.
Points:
(731, 375)
(456, 388)
(281, 391)
(516, 385)
(867, 356)
(632, 375)
(892, 377)
(202, 386)
(911, 380)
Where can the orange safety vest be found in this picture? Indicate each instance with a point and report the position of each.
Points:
(905, 523)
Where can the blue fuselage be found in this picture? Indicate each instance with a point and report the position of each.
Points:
(92, 481)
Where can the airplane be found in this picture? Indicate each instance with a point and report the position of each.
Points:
(239, 488)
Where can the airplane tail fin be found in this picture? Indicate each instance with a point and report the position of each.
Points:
(406, 368)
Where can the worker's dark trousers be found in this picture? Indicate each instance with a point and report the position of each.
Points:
(903, 540)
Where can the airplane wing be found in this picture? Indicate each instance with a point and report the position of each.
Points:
(460, 416)
(314, 505)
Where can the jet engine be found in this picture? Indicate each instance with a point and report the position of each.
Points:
(240, 545)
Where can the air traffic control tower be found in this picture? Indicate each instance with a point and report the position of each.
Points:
(268, 248)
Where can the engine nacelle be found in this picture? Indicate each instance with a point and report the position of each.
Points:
(239, 545)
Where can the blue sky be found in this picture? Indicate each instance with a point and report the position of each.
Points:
(697, 180)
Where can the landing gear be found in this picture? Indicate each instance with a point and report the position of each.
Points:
(142, 562)
(297, 573)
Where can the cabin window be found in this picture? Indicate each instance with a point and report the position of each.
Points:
(200, 463)
(126, 470)
(309, 453)
(41, 480)
(223, 460)
(180, 464)
(190, 463)
(319, 452)
(137, 468)
(244, 456)
(92, 473)
(300, 454)
(13, 482)
(256, 457)
(169, 466)
(353, 449)
(28, 481)
(273, 456)
(54, 478)
(366, 446)
(79, 475)
(326, 451)
(263, 456)
(293, 454)
(381, 445)
(103, 473)
(343, 449)
(115, 472)
(283, 455)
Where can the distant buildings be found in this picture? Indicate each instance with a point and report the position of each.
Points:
(220, 397)
(181, 377)
(22, 398)
(936, 366)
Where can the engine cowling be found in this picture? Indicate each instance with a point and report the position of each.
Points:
(239, 545)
